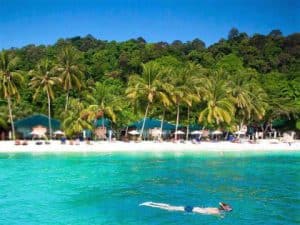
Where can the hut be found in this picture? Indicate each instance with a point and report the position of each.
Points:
(102, 128)
(35, 124)
(152, 125)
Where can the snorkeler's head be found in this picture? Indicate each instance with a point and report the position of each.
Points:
(225, 207)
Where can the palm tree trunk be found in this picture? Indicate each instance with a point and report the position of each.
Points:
(177, 122)
(162, 123)
(49, 116)
(187, 127)
(67, 101)
(142, 130)
(11, 118)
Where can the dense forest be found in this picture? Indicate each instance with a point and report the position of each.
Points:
(239, 80)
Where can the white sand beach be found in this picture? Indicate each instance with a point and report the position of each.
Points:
(147, 146)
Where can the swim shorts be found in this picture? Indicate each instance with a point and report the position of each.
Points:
(188, 209)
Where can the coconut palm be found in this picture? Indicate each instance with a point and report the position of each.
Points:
(3, 116)
(281, 100)
(105, 103)
(43, 80)
(217, 99)
(259, 103)
(184, 81)
(165, 101)
(147, 87)
(75, 119)
(70, 70)
(10, 80)
(249, 98)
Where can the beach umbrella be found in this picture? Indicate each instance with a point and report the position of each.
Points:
(179, 132)
(196, 132)
(134, 132)
(240, 132)
(35, 133)
(58, 132)
(216, 132)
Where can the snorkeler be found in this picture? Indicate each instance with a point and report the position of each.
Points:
(191, 209)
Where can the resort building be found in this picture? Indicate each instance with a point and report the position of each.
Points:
(102, 129)
(35, 125)
(152, 128)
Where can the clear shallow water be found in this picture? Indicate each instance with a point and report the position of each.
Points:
(107, 188)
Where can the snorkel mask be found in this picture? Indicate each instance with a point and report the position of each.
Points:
(225, 207)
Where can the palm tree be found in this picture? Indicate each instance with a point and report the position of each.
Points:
(184, 81)
(10, 79)
(280, 103)
(43, 80)
(147, 87)
(75, 119)
(105, 103)
(248, 96)
(70, 70)
(217, 99)
(3, 116)
(165, 101)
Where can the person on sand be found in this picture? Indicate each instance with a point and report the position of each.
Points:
(223, 207)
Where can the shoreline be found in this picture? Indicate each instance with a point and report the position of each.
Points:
(146, 146)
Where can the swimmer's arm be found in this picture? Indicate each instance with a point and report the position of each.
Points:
(163, 206)
(154, 204)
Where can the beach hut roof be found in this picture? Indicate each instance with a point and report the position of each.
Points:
(151, 123)
(102, 122)
(279, 123)
(36, 120)
(195, 126)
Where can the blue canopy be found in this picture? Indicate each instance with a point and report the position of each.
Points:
(102, 122)
(151, 123)
(195, 126)
(35, 120)
(24, 126)
(279, 123)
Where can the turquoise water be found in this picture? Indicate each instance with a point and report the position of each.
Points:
(107, 188)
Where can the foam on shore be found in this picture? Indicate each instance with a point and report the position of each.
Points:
(146, 146)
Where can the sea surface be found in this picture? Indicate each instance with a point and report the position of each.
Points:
(107, 188)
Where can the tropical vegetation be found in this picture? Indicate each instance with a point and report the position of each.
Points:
(237, 81)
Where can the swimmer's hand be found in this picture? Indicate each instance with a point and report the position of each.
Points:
(145, 204)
